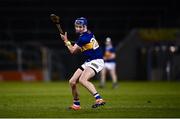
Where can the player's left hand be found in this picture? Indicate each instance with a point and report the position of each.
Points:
(64, 37)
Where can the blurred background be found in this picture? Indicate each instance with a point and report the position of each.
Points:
(146, 36)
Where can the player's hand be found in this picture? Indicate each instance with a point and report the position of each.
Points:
(64, 36)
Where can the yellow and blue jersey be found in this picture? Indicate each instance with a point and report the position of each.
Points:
(109, 50)
(89, 46)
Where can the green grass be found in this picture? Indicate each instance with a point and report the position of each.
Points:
(130, 99)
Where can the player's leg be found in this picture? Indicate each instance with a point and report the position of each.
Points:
(103, 78)
(84, 79)
(73, 82)
(87, 74)
(114, 77)
(90, 69)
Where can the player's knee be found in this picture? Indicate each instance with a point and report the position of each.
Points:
(72, 83)
(81, 81)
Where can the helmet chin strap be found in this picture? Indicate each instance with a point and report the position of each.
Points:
(85, 29)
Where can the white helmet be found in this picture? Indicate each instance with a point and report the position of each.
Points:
(108, 39)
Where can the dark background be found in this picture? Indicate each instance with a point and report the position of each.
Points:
(25, 22)
(28, 20)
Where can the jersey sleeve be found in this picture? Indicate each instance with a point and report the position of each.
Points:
(80, 42)
(112, 50)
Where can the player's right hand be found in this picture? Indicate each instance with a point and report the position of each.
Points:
(64, 37)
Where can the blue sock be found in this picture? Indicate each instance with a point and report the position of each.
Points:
(97, 96)
(76, 102)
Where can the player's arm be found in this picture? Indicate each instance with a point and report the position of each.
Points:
(109, 55)
(72, 48)
(113, 55)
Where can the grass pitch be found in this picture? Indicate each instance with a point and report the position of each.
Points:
(130, 99)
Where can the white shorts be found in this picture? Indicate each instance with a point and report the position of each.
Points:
(97, 65)
(110, 65)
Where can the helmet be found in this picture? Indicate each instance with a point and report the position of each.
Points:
(81, 21)
(108, 39)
